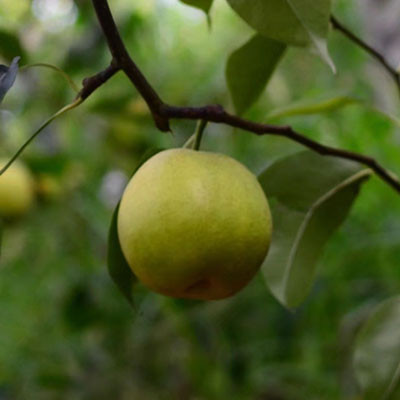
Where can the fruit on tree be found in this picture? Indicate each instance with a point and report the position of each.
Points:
(194, 224)
(16, 190)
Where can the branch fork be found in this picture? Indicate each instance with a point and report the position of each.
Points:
(162, 112)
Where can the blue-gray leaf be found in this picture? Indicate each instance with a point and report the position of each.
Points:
(7, 77)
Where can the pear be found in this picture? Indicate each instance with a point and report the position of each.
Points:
(194, 224)
(16, 190)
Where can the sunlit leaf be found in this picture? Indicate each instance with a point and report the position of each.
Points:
(377, 353)
(313, 107)
(118, 268)
(7, 77)
(310, 196)
(319, 106)
(295, 22)
(249, 69)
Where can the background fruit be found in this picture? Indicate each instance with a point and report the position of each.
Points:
(16, 190)
(194, 224)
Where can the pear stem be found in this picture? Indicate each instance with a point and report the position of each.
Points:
(201, 126)
(190, 142)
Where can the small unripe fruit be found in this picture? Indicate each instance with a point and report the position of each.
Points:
(194, 224)
(16, 190)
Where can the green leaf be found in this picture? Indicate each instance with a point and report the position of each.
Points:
(295, 22)
(118, 268)
(204, 5)
(377, 353)
(327, 105)
(310, 196)
(313, 107)
(1, 236)
(249, 69)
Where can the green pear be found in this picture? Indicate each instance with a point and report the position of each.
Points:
(194, 224)
(16, 190)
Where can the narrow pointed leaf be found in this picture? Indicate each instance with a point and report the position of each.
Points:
(310, 196)
(295, 22)
(377, 353)
(313, 107)
(327, 105)
(118, 268)
(249, 69)
(310, 107)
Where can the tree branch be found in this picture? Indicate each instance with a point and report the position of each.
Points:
(369, 49)
(89, 85)
(218, 115)
(163, 112)
(124, 61)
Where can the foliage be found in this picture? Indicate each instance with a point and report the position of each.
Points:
(66, 333)
(306, 213)
(379, 340)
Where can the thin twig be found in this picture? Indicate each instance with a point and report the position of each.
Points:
(40, 129)
(70, 81)
(368, 48)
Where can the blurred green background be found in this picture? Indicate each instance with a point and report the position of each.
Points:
(65, 331)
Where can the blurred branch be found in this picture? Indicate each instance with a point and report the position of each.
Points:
(369, 49)
(163, 112)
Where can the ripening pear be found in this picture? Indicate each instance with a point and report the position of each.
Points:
(194, 224)
(16, 190)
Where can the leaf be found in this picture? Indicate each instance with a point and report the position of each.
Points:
(204, 5)
(1, 236)
(327, 105)
(295, 22)
(7, 77)
(377, 353)
(11, 46)
(310, 196)
(314, 107)
(118, 268)
(249, 69)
